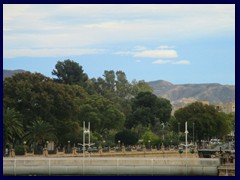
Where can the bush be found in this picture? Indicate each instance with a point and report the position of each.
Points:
(19, 150)
(38, 150)
(127, 137)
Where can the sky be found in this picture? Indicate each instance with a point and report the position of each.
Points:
(179, 43)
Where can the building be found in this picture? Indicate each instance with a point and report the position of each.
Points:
(226, 108)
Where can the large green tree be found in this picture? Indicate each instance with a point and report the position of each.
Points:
(204, 120)
(126, 137)
(70, 72)
(148, 110)
(12, 125)
(38, 97)
(39, 132)
(102, 114)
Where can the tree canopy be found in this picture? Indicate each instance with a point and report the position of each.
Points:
(38, 109)
(70, 72)
(148, 110)
(208, 122)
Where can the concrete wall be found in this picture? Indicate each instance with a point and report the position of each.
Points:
(111, 166)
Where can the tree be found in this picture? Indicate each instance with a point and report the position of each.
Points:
(70, 72)
(69, 131)
(208, 122)
(126, 137)
(140, 86)
(102, 114)
(12, 125)
(148, 109)
(36, 96)
(151, 139)
(122, 85)
(110, 79)
(40, 132)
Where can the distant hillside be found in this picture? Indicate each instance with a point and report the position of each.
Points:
(188, 93)
(10, 73)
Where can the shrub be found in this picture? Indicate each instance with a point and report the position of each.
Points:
(127, 137)
(19, 150)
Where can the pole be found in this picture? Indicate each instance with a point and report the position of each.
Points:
(89, 140)
(178, 131)
(83, 138)
(163, 130)
(193, 133)
(186, 132)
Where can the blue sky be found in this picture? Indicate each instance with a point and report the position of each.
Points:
(177, 43)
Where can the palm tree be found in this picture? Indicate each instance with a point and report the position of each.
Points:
(12, 125)
(39, 132)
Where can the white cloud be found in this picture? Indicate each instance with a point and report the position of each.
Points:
(141, 51)
(162, 62)
(181, 62)
(87, 25)
(157, 54)
(184, 62)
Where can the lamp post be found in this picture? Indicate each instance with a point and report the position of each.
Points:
(13, 143)
(69, 146)
(178, 131)
(193, 133)
(46, 144)
(163, 130)
(149, 141)
(24, 143)
(119, 143)
(186, 132)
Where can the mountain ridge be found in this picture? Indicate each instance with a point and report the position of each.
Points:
(214, 93)
(10, 73)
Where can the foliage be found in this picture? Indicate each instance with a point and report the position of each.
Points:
(12, 125)
(150, 138)
(19, 150)
(148, 109)
(102, 114)
(55, 109)
(40, 132)
(126, 137)
(140, 86)
(208, 122)
(70, 72)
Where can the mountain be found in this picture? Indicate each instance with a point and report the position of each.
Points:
(187, 93)
(10, 73)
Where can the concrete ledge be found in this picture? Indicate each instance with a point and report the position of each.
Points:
(110, 166)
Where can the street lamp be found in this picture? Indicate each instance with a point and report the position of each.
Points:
(69, 146)
(24, 143)
(13, 143)
(178, 130)
(46, 144)
(193, 133)
(163, 130)
(119, 143)
(149, 141)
